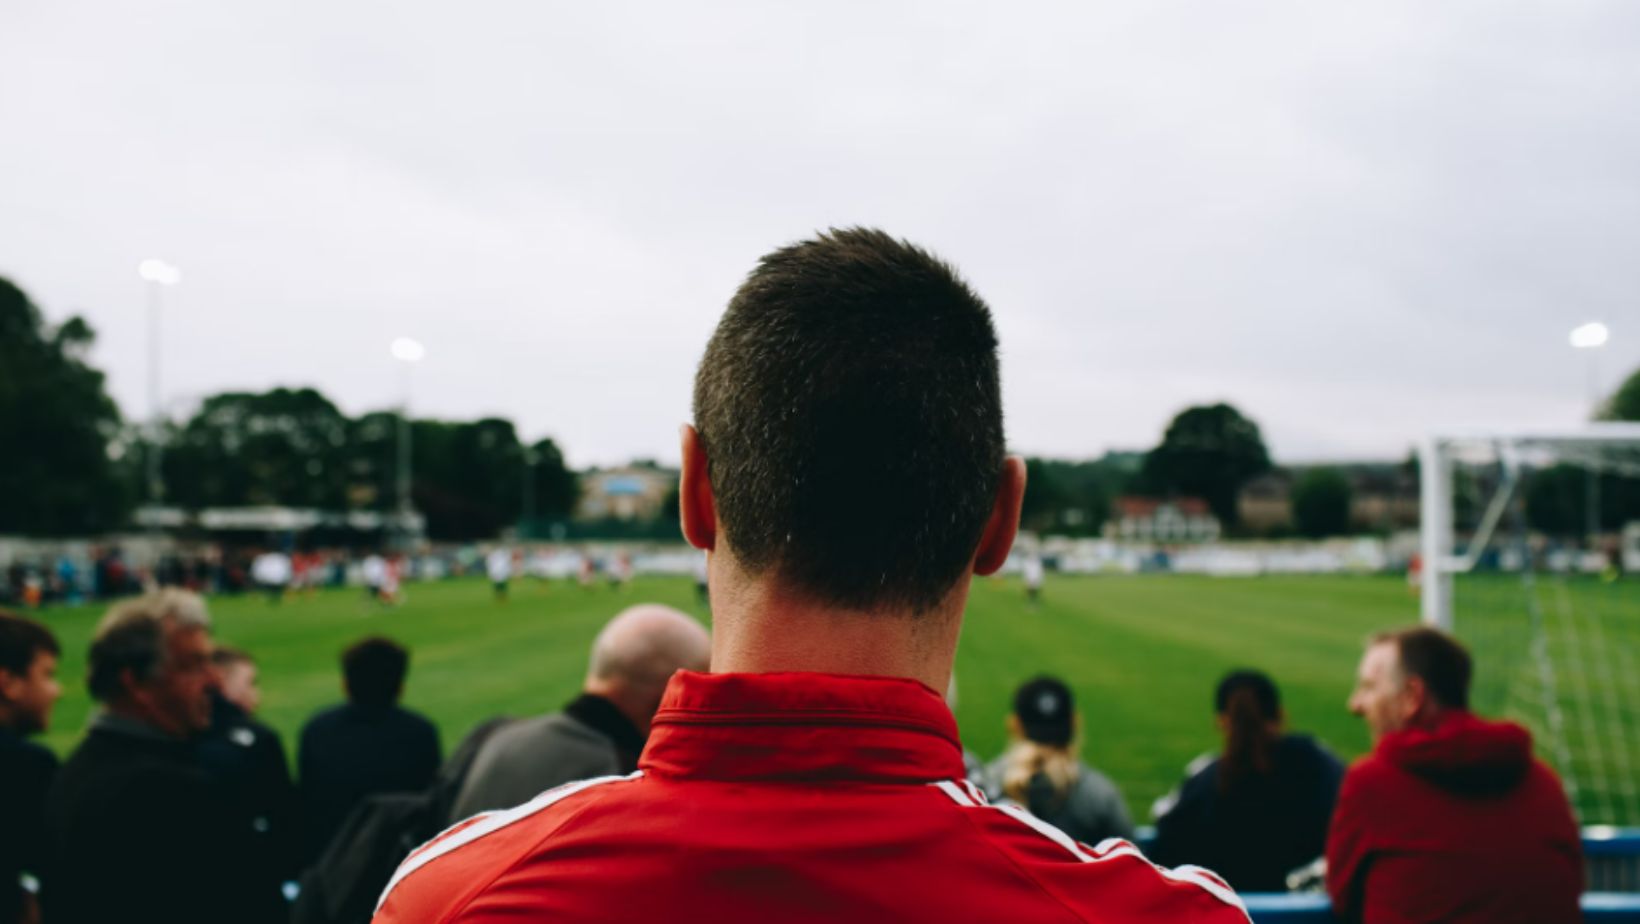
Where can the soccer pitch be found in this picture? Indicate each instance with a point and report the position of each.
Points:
(1142, 654)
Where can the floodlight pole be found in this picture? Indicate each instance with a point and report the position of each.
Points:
(157, 274)
(404, 455)
(1590, 338)
(1591, 475)
(1435, 501)
(156, 483)
(408, 352)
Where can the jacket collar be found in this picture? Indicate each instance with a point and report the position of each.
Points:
(112, 723)
(801, 726)
(605, 717)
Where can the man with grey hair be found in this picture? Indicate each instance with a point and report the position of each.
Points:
(603, 730)
(137, 831)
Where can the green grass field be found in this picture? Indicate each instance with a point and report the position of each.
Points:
(1142, 653)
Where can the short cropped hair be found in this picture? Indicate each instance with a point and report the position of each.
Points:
(21, 641)
(1436, 658)
(850, 410)
(374, 669)
(132, 637)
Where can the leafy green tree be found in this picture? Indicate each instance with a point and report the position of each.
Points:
(556, 487)
(56, 425)
(1044, 497)
(372, 461)
(1207, 452)
(1624, 404)
(1321, 503)
(285, 446)
(467, 477)
(1556, 499)
(1072, 497)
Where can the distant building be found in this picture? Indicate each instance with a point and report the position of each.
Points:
(1173, 520)
(1383, 498)
(631, 493)
(1265, 504)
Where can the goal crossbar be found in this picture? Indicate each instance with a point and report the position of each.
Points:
(1588, 445)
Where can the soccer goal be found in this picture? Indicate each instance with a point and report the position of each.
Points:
(1531, 553)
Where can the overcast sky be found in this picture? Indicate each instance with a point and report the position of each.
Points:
(1357, 222)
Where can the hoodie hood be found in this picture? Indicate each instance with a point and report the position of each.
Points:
(1463, 753)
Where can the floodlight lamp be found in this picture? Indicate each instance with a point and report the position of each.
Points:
(1591, 335)
(159, 272)
(408, 350)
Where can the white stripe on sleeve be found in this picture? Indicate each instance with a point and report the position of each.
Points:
(488, 823)
(1108, 849)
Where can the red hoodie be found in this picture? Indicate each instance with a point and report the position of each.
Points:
(791, 798)
(1454, 823)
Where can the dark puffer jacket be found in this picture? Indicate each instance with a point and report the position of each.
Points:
(1254, 833)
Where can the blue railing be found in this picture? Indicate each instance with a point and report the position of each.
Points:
(1598, 908)
(1611, 855)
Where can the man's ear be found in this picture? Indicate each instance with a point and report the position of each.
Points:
(1000, 530)
(697, 509)
(11, 685)
(1415, 698)
(129, 687)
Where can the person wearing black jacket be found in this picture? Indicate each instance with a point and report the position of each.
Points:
(1259, 811)
(366, 746)
(28, 689)
(137, 831)
(247, 759)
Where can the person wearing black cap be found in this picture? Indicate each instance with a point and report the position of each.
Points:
(1259, 811)
(1042, 771)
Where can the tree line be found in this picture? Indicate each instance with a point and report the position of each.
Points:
(1213, 452)
(70, 464)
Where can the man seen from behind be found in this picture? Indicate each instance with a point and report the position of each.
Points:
(367, 745)
(847, 474)
(602, 730)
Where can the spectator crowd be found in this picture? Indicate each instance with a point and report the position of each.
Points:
(846, 474)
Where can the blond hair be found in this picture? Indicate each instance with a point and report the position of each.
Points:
(1025, 759)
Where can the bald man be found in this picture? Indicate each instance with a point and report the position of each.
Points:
(603, 730)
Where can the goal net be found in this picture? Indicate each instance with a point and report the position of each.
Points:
(1531, 554)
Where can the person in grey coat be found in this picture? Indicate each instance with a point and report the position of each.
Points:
(1042, 772)
(602, 731)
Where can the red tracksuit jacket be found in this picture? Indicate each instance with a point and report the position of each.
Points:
(1457, 823)
(790, 798)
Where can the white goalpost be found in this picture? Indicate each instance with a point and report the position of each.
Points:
(1601, 447)
(1550, 614)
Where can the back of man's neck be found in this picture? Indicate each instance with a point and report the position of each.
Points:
(762, 631)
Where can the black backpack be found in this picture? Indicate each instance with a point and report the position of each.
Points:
(344, 885)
